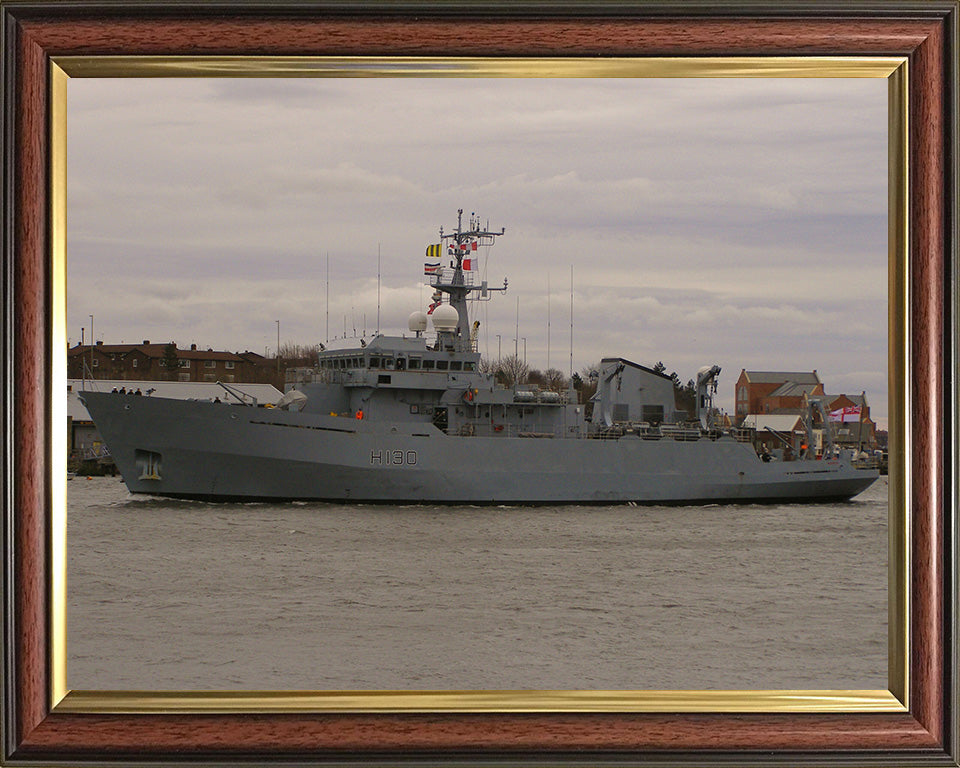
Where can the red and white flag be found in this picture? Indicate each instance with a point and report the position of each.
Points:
(847, 413)
(468, 263)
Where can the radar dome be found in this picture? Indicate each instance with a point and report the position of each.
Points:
(417, 321)
(445, 318)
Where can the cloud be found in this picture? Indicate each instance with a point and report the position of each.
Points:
(733, 221)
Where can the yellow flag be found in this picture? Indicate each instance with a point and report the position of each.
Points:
(434, 251)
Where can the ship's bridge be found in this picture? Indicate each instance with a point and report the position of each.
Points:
(382, 356)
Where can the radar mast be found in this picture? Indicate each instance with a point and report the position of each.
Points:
(457, 282)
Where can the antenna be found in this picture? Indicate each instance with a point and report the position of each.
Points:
(328, 297)
(517, 339)
(548, 320)
(378, 294)
(571, 321)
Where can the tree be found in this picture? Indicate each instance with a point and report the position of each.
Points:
(170, 361)
(299, 355)
(512, 370)
(590, 376)
(686, 397)
(487, 365)
(535, 376)
(554, 379)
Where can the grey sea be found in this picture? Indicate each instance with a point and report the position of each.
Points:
(188, 595)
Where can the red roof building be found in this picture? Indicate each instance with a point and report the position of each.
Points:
(164, 362)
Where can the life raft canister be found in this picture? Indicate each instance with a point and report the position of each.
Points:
(468, 395)
(360, 413)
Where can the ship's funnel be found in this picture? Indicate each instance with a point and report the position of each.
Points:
(445, 318)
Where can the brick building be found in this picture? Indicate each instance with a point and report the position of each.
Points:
(774, 391)
(762, 394)
(166, 362)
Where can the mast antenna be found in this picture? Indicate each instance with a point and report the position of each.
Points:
(571, 321)
(378, 291)
(548, 320)
(328, 297)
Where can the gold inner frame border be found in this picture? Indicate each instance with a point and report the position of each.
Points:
(895, 699)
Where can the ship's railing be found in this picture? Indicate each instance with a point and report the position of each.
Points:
(444, 276)
(97, 452)
(300, 375)
(866, 461)
(646, 431)
(473, 429)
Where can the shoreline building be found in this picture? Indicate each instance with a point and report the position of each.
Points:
(166, 362)
(765, 401)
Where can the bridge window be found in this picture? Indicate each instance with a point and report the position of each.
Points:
(456, 365)
(413, 364)
(428, 365)
(442, 365)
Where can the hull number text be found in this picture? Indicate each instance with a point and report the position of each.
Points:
(393, 457)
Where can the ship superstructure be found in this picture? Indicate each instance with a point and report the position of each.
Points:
(413, 418)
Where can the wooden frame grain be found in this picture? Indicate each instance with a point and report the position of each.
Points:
(924, 32)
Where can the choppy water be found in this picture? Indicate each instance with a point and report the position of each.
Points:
(188, 595)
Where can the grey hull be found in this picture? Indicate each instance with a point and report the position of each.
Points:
(218, 451)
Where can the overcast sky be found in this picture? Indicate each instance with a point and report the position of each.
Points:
(732, 221)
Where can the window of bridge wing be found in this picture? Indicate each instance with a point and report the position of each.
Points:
(374, 362)
(455, 365)
(387, 363)
(469, 366)
(413, 364)
(442, 365)
(428, 365)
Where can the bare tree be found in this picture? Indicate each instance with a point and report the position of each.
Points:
(487, 365)
(554, 379)
(298, 352)
(512, 370)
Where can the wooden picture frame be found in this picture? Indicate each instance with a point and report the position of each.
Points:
(36, 731)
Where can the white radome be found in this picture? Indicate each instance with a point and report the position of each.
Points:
(417, 321)
(445, 318)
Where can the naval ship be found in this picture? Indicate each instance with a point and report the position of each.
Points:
(416, 419)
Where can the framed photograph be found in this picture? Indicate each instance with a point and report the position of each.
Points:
(146, 51)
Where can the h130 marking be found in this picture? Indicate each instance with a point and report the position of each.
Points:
(393, 457)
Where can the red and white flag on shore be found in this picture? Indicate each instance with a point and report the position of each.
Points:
(847, 413)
